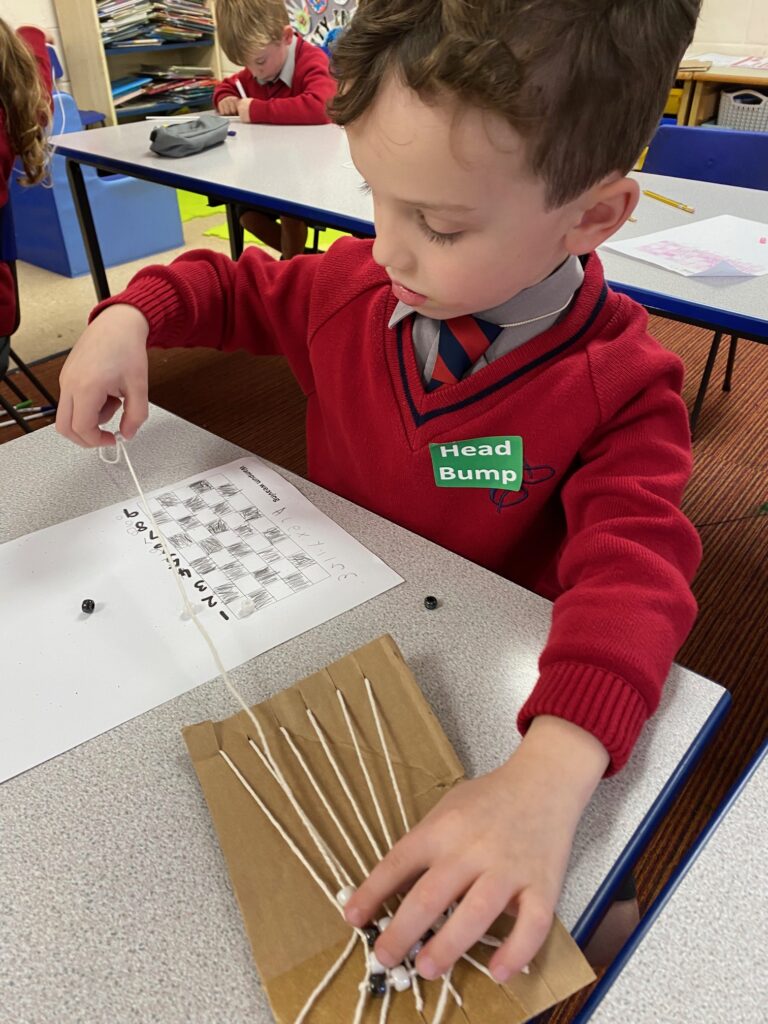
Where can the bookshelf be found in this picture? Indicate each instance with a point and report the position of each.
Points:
(92, 67)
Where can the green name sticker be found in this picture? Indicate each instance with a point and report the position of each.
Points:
(479, 462)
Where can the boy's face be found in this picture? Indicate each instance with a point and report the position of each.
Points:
(461, 224)
(266, 63)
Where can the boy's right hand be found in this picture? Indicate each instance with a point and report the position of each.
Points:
(108, 365)
(228, 106)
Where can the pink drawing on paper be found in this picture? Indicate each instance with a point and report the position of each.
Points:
(693, 260)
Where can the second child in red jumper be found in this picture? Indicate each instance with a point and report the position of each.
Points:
(285, 81)
(480, 310)
(25, 112)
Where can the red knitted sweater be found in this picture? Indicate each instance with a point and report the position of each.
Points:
(596, 526)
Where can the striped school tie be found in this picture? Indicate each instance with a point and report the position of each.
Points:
(463, 340)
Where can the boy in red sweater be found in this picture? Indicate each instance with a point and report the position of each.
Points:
(285, 81)
(496, 139)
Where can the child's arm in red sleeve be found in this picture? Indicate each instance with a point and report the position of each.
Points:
(309, 107)
(625, 569)
(204, 299)
(229, 88)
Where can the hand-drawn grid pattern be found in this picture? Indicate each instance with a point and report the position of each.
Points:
(228, 542)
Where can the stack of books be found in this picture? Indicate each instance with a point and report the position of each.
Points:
(139, 23)
(173, 88)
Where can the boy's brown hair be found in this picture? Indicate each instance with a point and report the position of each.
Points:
(583, 81)
(247, 25)
(25, 104)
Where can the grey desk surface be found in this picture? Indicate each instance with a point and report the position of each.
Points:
(114, 902)
(746, 296)
(311, 166)
(703, 960)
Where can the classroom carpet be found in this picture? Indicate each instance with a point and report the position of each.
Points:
(256, 403)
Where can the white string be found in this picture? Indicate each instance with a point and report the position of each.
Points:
(324, 800)
(364, 770)
(340, 876)
(343, 783)
(535, 319)
(442, 1001)
(385, 749)
(281, 831)
(326, 980)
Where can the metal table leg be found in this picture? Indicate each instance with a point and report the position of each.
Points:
(236, 232)
(88, 229)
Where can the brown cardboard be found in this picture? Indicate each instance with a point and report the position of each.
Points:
(294, 931)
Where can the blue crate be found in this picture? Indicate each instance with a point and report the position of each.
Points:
(133, 218)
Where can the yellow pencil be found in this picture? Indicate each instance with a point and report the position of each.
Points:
(670, 202)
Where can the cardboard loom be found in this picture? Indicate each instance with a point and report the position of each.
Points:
(295, 933)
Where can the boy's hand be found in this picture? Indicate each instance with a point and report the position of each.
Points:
(228, 106)
(498, 842)
(244, 110)
(107, 365)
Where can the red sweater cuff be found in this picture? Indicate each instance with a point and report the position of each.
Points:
(160, 303)
(598, 701)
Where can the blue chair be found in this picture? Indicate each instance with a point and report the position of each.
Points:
(8, 257)
(722, 156)
(133, 218)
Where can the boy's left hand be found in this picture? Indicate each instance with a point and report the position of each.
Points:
(500, 842)
(244, 110)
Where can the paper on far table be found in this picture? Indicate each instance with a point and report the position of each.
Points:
(238, 531)
(722, 246)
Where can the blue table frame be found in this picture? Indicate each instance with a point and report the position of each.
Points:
(603, 986)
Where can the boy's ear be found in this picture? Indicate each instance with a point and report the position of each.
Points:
(287, 35)
(603, 210)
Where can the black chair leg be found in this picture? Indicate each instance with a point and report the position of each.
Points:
(17, 391)
(705, 380)
(8, 408)
(35, 381)
(731, 361)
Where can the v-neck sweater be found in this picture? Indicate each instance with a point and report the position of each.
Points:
(596, 526)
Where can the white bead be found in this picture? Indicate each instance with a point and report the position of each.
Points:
(383, 923)
(415, 949)
(399, 979)
(187, 615)
(375, 966)
(343, 896)
(526, 969)
(247, 607)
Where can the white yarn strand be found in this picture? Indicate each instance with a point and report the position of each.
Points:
(364, 769)
(325, 802)
(343, 783)
(385, 751)
(325, 981)
(339, 874)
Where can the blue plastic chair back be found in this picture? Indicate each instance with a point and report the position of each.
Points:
(719, 155)
(57, 71)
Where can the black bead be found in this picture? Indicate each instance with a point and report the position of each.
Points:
(377, 984)
(88, 605)
(428, 934)
(430, 603)
(371, 933)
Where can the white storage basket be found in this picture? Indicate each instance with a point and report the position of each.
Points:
(745, 110)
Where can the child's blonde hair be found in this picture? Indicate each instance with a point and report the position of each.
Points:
(248, 25)
(25, 104)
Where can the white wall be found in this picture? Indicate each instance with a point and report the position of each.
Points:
(733, 26)
(40, 13)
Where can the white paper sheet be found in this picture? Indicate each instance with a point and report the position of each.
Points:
(240, 531)
(720, 60)
(722, 246)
